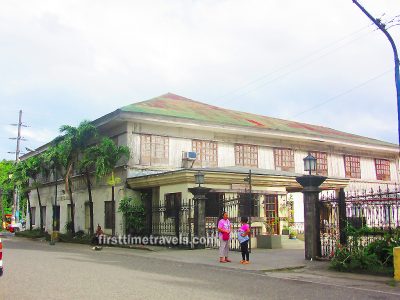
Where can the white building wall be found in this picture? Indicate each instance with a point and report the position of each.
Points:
(336, 165)
(176, 148)
(298, 161)
(134, 146)
(367, 166)
(266, 158)
(394, 175)
(226, 154)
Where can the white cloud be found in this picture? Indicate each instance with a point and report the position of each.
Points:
(71, 60)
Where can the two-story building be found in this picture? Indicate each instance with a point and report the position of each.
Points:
(172, 137)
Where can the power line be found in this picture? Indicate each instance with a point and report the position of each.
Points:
(294, 62)
(300, 67)
(342, 93)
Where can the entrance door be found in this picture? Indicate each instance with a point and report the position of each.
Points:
(271, 213)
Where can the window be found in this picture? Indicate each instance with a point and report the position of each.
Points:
(56, 217)
(382, 167)
(43, 210)
(352, 166)
(172, 204)
(87, 215)
(33, 215)
(153, 150)
(108, 214)
(246, 155)
(207, 155)
(68, 213)
(322, 163)
(284, 159)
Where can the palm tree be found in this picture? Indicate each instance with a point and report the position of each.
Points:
(105, 156)
(54, 162)
(73, 142)
(35, 167)
(86, 164)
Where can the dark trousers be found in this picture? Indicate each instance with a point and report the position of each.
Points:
(244, 247)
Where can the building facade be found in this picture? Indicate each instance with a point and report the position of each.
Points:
(172, 137)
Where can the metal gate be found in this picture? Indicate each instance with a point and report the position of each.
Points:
(174, 218)
(235, 208)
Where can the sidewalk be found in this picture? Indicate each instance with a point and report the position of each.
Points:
(284, 263)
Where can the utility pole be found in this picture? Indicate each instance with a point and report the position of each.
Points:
(15, 209)
(383, 28)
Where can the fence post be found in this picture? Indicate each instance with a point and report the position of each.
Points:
(199, 200)
(342, 217)
(312, 244)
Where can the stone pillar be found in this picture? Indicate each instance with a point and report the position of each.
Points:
(199, 200)
(311, 190)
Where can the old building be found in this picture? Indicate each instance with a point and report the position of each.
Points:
(172, 137)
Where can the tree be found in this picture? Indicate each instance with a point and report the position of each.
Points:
(72, 142)
(34, 167)
(6, 186)
(21, 180)
(86, 165)
(105, 157)
(53, 159)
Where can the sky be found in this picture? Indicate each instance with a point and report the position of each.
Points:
(314, 61)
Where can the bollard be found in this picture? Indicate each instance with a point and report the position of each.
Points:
(1, 258)
(396, 263)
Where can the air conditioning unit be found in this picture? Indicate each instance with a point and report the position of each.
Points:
(190, 155)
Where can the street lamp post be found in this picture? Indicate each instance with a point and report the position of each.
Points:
(311, 190)
(199, 198)
(248, 179)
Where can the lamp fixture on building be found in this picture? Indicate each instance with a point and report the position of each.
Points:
(199, 178)
(310, 163)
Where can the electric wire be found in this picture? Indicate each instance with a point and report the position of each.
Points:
(342, 93)
(294, 62)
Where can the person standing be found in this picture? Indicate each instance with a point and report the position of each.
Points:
(224, 229)
(243, 237)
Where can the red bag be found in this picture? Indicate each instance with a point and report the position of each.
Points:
(225, 236)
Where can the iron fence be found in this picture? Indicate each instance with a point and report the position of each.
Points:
(377, 212)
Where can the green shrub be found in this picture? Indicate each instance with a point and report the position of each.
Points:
(376, 257)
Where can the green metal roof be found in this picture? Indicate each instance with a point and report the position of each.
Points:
(180, 107)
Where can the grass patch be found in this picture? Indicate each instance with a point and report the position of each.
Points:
(78, 238)
(33, 234)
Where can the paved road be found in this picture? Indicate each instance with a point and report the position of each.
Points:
(36, 270)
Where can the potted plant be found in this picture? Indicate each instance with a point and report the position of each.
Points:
(285, 230)
(269, 240)
(292, 233)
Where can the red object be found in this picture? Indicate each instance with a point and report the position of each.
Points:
(225, 236)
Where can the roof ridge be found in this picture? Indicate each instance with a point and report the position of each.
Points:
(171, 105)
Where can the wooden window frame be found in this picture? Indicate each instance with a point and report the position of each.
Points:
(322, 162)
(352, 166)
(284, 159)
(382, 169)
(207, 153)
(246, 155)
(154, 150)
